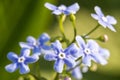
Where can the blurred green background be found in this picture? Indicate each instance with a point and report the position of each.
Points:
(21, 18)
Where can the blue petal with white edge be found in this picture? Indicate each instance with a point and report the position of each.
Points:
(12, 56)
(31, 59)
(57, 12)
(25, 52)
(87, 60)
(24, 68)
(25, 45)
(95, 16)
(70, 62)
(58, 66)
(11, 67)
(80, 41)
(31, 40)
(98, 11)
(50, 6)
(77, 73)
(73, 50)
(44, 38)
(73, 8)
(91, 44)
(57, 46)
(111, 27)
(50, 56)
(99, 59)
(104, 53)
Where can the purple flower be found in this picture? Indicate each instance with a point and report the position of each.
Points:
(90, 50)
(62, 9)
(21, 61)
(37, 46)
(105, 21)
(61, 56)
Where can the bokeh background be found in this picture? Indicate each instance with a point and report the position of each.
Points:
(21, 18)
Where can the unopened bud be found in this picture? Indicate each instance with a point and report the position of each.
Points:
(103, 38)
(72, 17)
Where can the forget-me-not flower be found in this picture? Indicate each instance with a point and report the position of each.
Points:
(105, 21)
(61, 56)
(90, 50)
(62, 9)
(21, 61)
(36, 45)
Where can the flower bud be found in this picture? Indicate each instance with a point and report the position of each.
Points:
(72, 17)
(103, 38)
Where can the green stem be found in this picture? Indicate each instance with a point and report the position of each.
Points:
(75, 31)
(61, 20)
(56, 76)
(91, 31)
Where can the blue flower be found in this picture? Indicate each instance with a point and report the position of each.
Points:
(21, 61)
(90, 50)
(62, 9)
(37, 46)
(105, 21)
(61, 56)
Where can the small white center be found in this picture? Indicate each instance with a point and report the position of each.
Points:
(104, 19)
(21, 59)
(62, 8)
(61, 55)
(87, 51)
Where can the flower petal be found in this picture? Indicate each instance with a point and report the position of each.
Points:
(77, 73)
(73, 8)
(95, 16)
(91, 44)
(98, 11)
(58, 66)
(80, 42)
(99, 59)
(104, 53)
(44, 38)
(111, 19)
(70, 62)
(12, 56)
(50, 6)
(31, 59)
(31, 40)
(73, 50)
(57, 12)
(37, 50)
(25, 52)
(24, 68)
(87, 60)
(57, 46)
(25, 45)
(111, 27)
(50, 57)
(102, 23)
(11, 67)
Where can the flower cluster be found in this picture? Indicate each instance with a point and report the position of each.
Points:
(73, 60)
